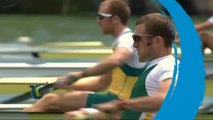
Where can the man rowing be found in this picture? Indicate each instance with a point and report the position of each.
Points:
(118, 72)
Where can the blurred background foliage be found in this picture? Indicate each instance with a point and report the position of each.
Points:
(47, 6)
(75, 6)
(73, 20)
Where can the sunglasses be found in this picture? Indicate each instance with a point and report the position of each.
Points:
(101, 16)
(137, 38)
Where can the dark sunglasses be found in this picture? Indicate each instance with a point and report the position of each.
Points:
(101, 16)
(137, 38)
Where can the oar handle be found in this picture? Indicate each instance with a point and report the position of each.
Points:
(38, 90)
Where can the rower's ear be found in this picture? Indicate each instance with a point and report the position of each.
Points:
(116, 19)
(159, 40)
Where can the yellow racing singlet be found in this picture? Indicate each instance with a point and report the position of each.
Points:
(123, 80)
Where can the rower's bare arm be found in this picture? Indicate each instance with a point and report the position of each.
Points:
(148, 103)
(118, 57)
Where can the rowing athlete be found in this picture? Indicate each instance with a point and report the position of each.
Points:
(117, 73)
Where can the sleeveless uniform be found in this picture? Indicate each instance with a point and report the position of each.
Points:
(148, 84)
(123, 77)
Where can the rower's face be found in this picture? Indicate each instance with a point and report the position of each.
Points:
(143, 42)
(103, 21)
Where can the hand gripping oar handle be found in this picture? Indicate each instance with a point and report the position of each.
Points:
(39, 90)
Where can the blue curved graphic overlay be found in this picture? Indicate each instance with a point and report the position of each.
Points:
(186, 94)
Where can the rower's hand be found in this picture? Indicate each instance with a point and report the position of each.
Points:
(111, 108)
(108, 107)
(65, 81)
